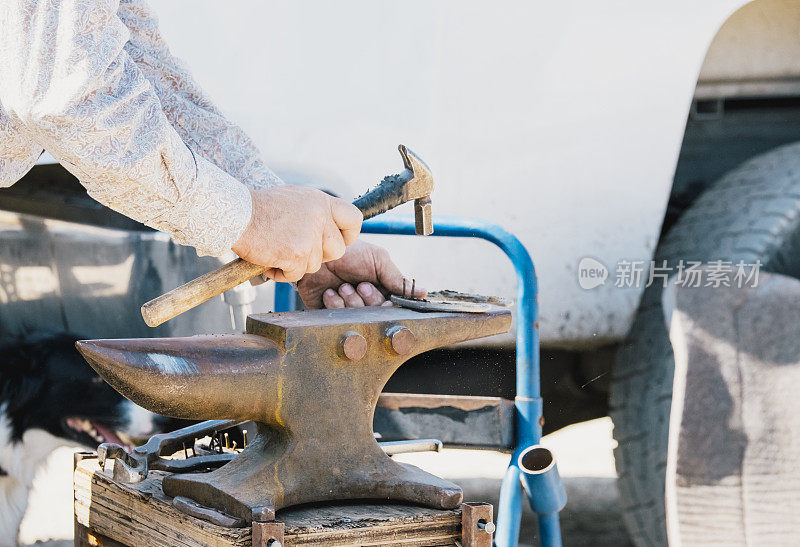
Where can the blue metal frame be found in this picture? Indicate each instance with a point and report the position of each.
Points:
(528, 400)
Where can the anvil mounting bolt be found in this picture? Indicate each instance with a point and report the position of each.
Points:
(401, 339)
(354, 346)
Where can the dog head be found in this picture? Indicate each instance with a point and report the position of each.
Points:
(45, 384)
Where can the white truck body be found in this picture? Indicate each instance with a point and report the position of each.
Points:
(561, 121)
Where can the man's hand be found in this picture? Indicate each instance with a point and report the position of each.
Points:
(364, 276)
(295, 229)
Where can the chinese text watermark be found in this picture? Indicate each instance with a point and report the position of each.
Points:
(685, 273)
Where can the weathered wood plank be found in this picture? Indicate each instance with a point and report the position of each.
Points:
(370, 525)
(141, 514)
(86, 538)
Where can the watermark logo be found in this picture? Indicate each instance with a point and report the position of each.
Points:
(685, 273)
(591, 273)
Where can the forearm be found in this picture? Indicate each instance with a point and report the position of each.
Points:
(84, 99)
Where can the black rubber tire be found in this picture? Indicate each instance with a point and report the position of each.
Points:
(752, 213)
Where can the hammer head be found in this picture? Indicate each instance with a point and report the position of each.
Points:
(415, 183)
(420, 189)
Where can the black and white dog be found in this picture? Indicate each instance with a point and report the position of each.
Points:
(50, 397)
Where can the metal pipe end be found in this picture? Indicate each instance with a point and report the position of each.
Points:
(536, 460)
(540, 478)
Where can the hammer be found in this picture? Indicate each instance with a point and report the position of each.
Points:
(415, 182)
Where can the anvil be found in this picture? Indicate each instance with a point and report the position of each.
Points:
(310, 380)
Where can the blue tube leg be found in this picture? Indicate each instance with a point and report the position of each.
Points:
(549, 530)
(284, 297)
(528, 396)
(509, 510)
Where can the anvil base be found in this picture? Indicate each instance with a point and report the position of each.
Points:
(275, 471)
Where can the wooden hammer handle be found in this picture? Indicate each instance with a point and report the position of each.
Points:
(197, 291)
(234, 273)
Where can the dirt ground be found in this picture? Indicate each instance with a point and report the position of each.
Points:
(583, 452)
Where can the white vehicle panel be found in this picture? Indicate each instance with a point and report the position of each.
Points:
(561, 121)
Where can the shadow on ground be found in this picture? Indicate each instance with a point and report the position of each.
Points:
(592, 516)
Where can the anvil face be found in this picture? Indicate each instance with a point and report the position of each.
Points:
(311, 381)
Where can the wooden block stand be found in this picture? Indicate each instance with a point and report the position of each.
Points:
(113, 514)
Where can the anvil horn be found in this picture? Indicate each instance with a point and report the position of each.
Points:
(196, 377)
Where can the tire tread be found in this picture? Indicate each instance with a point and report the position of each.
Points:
(752, 213)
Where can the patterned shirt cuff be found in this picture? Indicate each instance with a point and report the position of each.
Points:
(213, 213)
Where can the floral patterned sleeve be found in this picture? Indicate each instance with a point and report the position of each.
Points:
(67, 81)
(188, 108)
